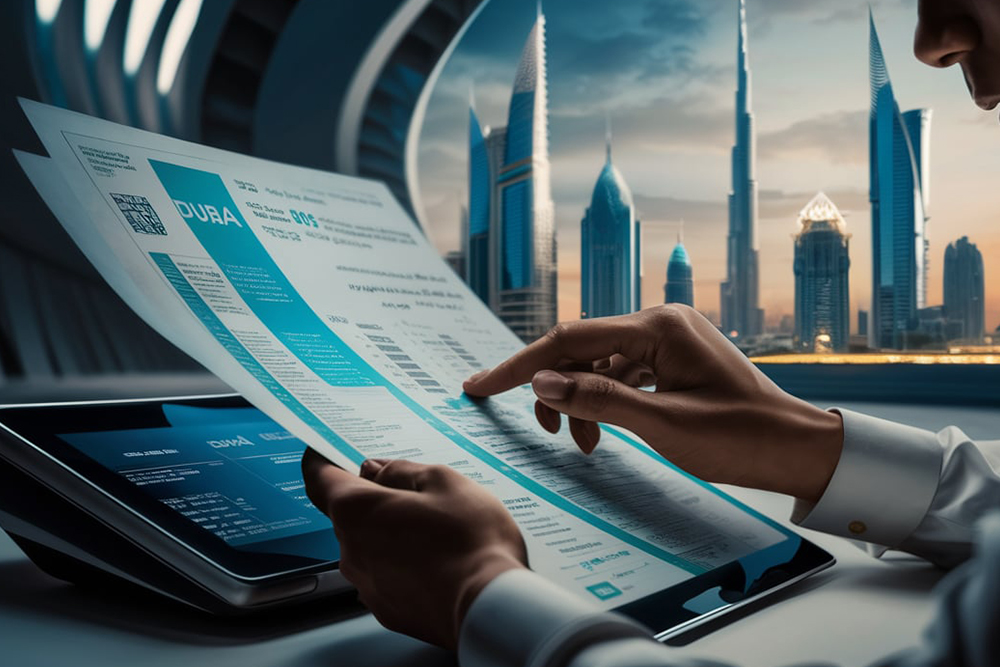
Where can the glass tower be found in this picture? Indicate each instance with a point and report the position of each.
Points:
(525, 296)
(964, 289)
(680, 277)
(822, 291)
(739, 300)
(610, 262)
(898, 158)
(480, 190)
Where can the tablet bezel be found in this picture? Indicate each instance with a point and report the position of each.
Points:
(31, 426)
(663, 611)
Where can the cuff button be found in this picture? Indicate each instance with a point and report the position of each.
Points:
(857, 527)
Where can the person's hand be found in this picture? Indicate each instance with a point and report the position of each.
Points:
(418, 542)
(713, 413)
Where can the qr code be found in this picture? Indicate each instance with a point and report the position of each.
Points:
(140, 214)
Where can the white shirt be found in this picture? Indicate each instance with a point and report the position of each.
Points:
(895, 487)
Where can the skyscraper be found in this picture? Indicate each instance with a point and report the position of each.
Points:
(526, 245)
(480, 201)
(899, 175)
(741, 313)
(610, 250)
(486, 154)
(496, 144)
(964, 289)
(822, 263)
(680, 277)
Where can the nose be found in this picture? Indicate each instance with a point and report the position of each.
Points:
(943, 41)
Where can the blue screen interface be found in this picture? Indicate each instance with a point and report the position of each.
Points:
(232, 471)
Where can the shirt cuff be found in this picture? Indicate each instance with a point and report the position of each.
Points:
(523, 620)
(883, 485)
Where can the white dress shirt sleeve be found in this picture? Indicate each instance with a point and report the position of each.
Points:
(900, 487)
(523, 620)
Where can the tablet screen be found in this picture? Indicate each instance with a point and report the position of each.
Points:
(232, 471)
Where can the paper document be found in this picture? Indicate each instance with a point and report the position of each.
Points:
(318, 298)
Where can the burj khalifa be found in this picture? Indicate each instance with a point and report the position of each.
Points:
(741, 313)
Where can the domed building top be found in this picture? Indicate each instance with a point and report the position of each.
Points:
(680, 276)
(821, 213)
(679, 267)
(611, 191)
(680, 255)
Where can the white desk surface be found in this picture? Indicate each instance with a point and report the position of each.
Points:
(851, 614)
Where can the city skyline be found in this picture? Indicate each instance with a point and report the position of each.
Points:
(673, 192)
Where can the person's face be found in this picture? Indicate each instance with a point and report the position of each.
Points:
(966, 32)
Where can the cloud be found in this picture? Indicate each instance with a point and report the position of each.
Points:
(695, 122)
(780, 205)
(654, 50)
(776, 205)
(763, 14)
(628, 53)
(840, 137)
(678, 16)
(595, 49)
(675, 209)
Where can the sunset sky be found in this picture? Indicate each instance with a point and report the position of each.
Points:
(664, 70)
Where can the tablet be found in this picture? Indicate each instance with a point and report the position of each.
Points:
(213, 486)
(209, 486)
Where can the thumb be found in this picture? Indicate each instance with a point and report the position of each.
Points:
(594, 397)
(327, 484)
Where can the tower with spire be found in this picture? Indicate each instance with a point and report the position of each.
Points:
(739, 295)
(898, 151)
(525, 248)
(511, 243)
(679, 287)
(610, 247)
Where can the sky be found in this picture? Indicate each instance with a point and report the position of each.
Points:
(665, 73)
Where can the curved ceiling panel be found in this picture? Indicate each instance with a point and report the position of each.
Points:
(331, 85)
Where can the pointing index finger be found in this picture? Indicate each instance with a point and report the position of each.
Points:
(584, 340)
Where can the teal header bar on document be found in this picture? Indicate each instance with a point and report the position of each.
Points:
(236, 349)
(201, 198)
